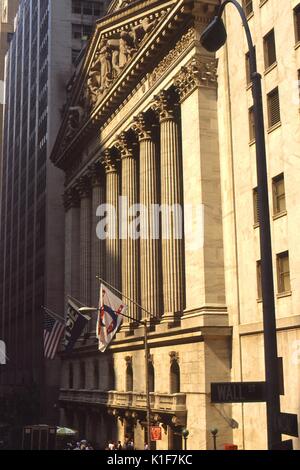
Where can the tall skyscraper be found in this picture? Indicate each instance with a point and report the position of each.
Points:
(48, 36)
(8, 10)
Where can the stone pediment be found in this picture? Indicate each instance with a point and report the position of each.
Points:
(119, 53)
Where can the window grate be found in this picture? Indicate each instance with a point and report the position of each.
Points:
(248, 7)
(273, 107)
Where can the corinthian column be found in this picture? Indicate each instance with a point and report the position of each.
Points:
(130, 270)
(112, 245)
(149, 244)
(84, 190)
(97, 245)
(171, 202)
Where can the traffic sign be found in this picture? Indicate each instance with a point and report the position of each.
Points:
(238, 392)
(288, 424)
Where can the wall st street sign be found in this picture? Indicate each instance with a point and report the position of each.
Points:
(255, 392)
(238, 392)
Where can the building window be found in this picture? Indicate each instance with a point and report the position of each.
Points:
(270, 49)
(248, 71)
(283, 273)
(151, 377)
(297, 22)
(248, 7)
(129, 378)
(279, 200)
(273, 107)
(82, 376)
(251, 124)
(255, 206)
(174, 377)
(76, 7)
(258, 277)
(76, 31)
(96, 375)
(71, 377)
(88, 8)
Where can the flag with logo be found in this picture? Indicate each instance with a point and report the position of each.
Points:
(111, 309)
(75, 325)
(53, 331)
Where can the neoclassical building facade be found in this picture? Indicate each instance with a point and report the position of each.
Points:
(142, 122)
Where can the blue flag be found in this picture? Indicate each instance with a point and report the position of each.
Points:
(75, 324)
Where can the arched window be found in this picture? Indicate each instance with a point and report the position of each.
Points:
(71, 376)
(129, 378)
(151, 377)
(175, 377)
(96, 375)
(82, 376)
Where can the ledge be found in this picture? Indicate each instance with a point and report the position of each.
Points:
(161, 402)
(270, 68)
(286, 323)
(284, 294)
(279, 215)
(273, 128)
(297, 45)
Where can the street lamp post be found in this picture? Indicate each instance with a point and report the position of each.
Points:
(185, 434)
(214, 433)
(212, 39)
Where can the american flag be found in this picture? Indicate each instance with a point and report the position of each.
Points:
(53, 330)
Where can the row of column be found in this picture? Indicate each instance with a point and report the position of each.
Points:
(148, 271)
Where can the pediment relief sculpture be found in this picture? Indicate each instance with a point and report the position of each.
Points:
(114, 52)
(113, 55)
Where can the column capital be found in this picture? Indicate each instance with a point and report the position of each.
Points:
(124, 145)
(142, 127)
(164, 105)
(199, 72)
(71, 199)
(83, 187)
(109, 162)
(95, 174)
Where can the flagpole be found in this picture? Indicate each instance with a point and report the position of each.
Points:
(147, 354)
(52, 314)
(127, 298)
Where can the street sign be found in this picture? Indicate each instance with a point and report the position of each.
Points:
(285, 445)
(238, 392)
(288, 424)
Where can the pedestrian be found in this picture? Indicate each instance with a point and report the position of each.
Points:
(119, 447)
(130, 445)
(111, 445)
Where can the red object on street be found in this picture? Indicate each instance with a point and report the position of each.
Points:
(156, 434)
(230, 447)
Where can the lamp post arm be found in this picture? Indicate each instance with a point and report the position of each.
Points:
(252, 55)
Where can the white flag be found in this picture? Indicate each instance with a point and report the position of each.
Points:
(110, 317)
